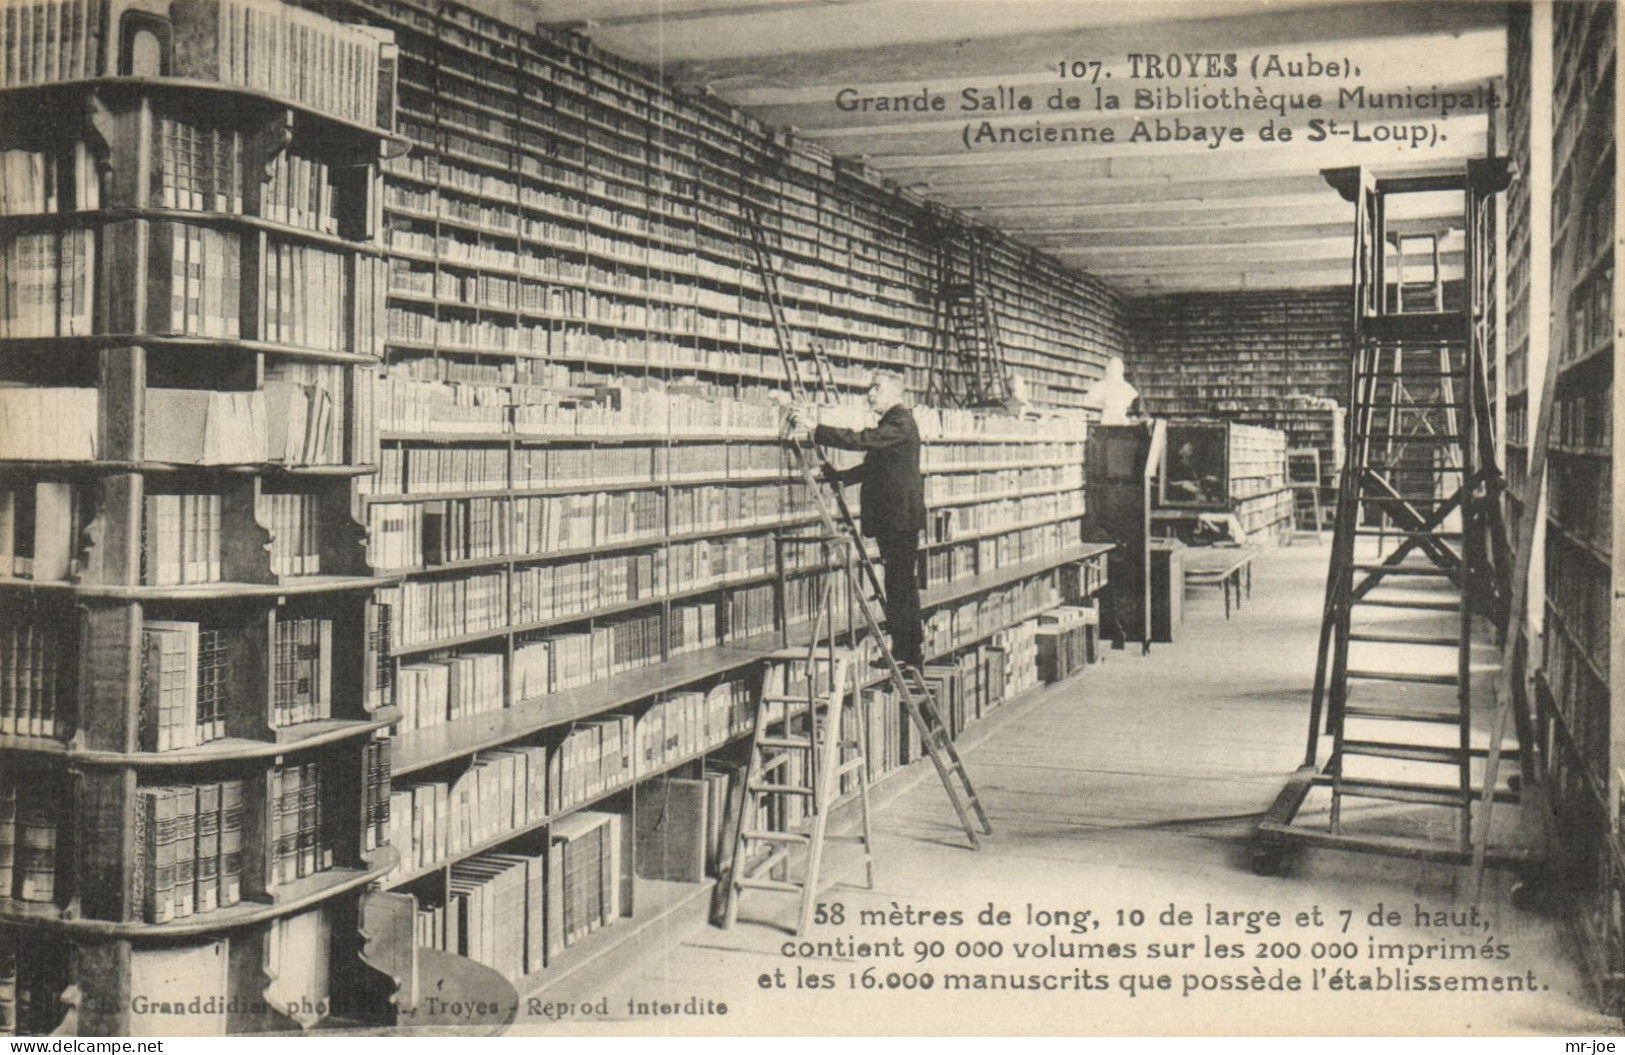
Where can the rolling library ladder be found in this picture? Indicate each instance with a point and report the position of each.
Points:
(968, 367)
(798, 749)
(1419, 560)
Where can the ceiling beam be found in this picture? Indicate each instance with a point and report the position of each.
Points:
(1187, 235)
(1152, 259)
(1205, 215)
(1237, 279)
(733, 59)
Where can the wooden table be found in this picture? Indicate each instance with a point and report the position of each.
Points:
(1226, 567)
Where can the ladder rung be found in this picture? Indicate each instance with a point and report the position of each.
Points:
(1427, 438)
(779, 789)
(1419, 794)
(800, 652)
(784, 886)
(776, 837)
(1395, 714)
(1402, 752)
(1435, 470)
(1431, 570)
(1442, 536)
(1385, 638)
(788, 743)
(849, 766)
(1409, 500)
(1410, 375)
(787, 698)
(1395, 675)
(1420, 606)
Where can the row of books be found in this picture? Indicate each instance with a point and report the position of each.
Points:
(342, 69)
(299, 192)
(504, 790)
(495, 912)
(185, 684)
(39, 528)
(195, 167)
(321, 299)
(377, 763)
(36, 650)
(1581, 420)
(188, 846)
(1581, 700)
(1578, 592)
(302, 671)
(941, 488)
(680, 725)
(413, 405)
(1582, 499)
(1068, 639)
(434, 692)
(33, 182)
(29, 808)
(408, 535)
(550, 591)
(194, 284)
(307, 412)
(515, 912)
(436, 469)
(47, 283)
(947, 525)
(183, 426)
(293, 518)
(427, 611)
(51, 40)
(182, 538)
(953, 626)
(1590, 315)
(296, 815)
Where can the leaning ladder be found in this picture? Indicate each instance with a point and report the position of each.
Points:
(835, 516)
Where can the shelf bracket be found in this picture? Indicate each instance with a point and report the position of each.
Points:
(275, 134)
(99, 128)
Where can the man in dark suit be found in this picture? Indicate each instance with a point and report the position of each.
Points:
(892, 495)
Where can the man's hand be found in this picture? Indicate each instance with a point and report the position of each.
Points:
(830, 475)
(801, 420)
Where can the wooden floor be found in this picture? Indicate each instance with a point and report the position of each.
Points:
(1132, 787)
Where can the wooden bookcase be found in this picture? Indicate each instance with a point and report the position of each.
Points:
(1578, 703)
(535, 384)
(189, 358)
(1225, 467)
(577, 337)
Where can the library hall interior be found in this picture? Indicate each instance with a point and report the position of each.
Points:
(657, 517)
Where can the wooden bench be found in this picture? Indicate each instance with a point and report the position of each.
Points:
(1223, 566)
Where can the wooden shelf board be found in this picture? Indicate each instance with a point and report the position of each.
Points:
(289, 738)
(289, 898)
(420, 748)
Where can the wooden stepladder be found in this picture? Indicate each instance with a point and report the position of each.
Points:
(809, 737)
(1420, 555)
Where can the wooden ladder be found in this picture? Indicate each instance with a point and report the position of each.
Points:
(800, 751)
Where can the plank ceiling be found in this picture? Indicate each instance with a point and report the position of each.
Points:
(1145, 217)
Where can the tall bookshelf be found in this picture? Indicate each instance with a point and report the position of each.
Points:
(191, 319)
(1186, 348)
(1577, 700)
(581, 477)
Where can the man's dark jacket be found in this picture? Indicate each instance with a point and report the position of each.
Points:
(892, 492)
